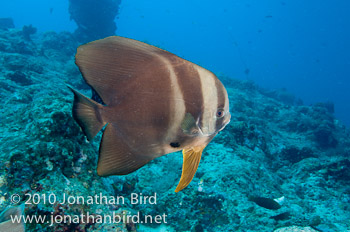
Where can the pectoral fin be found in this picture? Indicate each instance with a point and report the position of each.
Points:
(190, 164)
(189, 125)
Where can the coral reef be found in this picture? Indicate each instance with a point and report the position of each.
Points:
(274, 148)
(28, 31)
(6, 23)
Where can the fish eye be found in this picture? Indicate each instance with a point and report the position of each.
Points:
(220, 113)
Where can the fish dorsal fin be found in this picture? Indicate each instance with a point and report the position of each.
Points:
(189, 125)
(116, 157)
(191, 159)
(114, 64)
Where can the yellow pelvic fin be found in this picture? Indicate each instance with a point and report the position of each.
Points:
(190, 164)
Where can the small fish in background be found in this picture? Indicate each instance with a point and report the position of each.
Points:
(8, 222)
(155, 103)
(267, 203)
(282, 216)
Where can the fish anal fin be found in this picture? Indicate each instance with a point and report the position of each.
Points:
(191, 159)
(7, 225)
(116, 157)
(87, 113)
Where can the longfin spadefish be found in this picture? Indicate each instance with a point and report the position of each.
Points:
(191, 159)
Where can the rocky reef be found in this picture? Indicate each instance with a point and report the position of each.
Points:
(279, 165)
(95, 19)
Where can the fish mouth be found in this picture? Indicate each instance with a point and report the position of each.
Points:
(201, 129)
(201, 132)
(208, 134)
(226, 121)
(224, 125)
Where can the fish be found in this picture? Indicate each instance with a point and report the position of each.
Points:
(267, 203)
(153, 103)
(281, 216)
(8, 222)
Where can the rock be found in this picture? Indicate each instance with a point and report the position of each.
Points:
(20, 78)
(294, 154)
(27, 31)
(94, 20)
(6, 23)
(325, 137)
(295, 229)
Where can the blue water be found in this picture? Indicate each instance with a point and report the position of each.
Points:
(300, 45)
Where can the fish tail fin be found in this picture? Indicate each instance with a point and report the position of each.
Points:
(88, 114)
